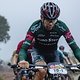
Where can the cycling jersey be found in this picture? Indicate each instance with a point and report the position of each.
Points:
(29, 58)
(20, 44)
(47, 40)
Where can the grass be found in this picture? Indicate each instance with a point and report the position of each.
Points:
(1, 78)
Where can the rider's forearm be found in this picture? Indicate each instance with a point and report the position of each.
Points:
(15, 59)
(76, 50)
(22, 55)
(23, 50)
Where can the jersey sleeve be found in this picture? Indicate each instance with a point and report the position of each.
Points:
(28, 40)
(70, 40)
(19, 46)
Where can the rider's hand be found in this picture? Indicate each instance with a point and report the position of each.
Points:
(23, 64)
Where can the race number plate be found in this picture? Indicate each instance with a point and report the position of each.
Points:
(57, 69)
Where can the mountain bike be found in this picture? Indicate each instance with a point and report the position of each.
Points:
(23, 73)
(64, 70)
(58, 71)
(75, 70)
(55, 71)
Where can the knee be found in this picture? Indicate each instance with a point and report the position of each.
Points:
(42, 71)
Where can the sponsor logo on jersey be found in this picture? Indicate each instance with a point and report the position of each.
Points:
(35, 27)
(47, 40)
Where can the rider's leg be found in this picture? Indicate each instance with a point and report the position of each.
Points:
(38, 59)
(61, 57)
(69, 60)
(66, 61)
(42, 72)
(57, 56)
(14, 58)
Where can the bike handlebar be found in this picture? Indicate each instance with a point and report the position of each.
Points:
(46, 66)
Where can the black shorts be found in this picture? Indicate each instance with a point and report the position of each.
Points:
(52, 56)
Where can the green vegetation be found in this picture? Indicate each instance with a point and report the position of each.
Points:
(1, 78)
(4, 28)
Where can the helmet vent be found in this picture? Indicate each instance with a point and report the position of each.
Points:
(50, 10)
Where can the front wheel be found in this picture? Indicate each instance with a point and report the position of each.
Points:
(69, 76)
(58, 77)
(79, 78)
(61, 77)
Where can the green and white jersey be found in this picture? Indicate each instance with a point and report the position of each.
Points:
(47, 40)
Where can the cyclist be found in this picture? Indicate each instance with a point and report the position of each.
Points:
(14, 58)
(65, 55)
(47, 32)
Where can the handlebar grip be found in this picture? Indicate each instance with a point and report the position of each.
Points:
(13, 66)
(78, 66)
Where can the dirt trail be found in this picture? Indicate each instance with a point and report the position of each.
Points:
(7, 74)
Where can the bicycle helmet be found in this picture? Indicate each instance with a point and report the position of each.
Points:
(50, 10)
(61, 47)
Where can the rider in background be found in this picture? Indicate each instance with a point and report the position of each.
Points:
(69, 57)
(65, 55)
(14, 59)
(46, 32)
